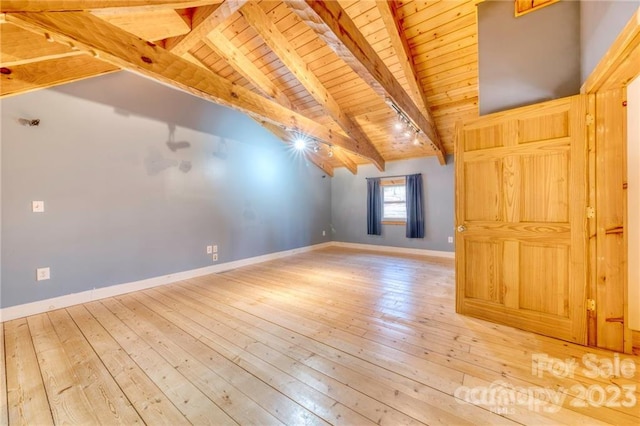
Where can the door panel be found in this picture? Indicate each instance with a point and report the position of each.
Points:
(548, 126)
(484, 279)
(544, 263)
(521, 187)
(545, 184)
(483, 197)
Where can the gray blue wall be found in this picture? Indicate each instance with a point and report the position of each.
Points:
(137, 179)
(349, 205)
(600, 24)
(529, 59)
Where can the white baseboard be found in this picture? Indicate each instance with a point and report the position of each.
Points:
(390, 249)
(33, 308)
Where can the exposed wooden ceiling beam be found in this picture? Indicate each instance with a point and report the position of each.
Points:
(189, 57)
(335, 27)
(76, 5)
(148, 25)
(288, 138)
(120, 48)
(388, 12)
(205, 20)
(18, 46)
(25, 78)
(279, 44)
(220, 44)
(11, 64)
(342, 157)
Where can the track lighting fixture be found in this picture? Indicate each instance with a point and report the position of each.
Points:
(404, 123)
(302, 142)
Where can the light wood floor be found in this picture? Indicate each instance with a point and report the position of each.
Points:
(332, 336)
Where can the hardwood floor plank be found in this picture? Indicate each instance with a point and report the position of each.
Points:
(437, 352)
(216, 329)
(27, 398)
(402, 363)
(317, 409)
(196, 407)
(211, 316)
(394, 381)
(150, 402)
(191, 358)
(529, 380)
(333, 336)
(68, 402)
(108, 403)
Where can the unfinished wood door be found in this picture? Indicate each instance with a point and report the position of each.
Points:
(521, 200)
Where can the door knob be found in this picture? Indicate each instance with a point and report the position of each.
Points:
(462, 228)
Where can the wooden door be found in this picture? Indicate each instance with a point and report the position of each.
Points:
(521, 213)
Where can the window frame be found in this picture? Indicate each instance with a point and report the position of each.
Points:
(399, 181)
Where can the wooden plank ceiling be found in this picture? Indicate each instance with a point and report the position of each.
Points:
(336, 73)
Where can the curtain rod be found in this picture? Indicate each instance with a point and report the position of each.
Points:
(394, 176)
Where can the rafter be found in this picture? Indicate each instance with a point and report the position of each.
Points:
(279, 44)
(120, 48)
(11, 64)
(205, 20)
(333, 25)
(220, 44)
(148, 25)
(39, 75)
(76, 5)
(342, 157)
(388, 12)
(18, 46)
(288, 138)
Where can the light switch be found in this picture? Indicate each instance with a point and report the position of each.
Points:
(37, 206)
(43, 274)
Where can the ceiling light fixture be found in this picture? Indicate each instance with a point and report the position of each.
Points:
(300, 144)
(416, 141)
(404, 122)
(303, 142)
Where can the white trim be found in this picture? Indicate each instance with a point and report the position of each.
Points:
(33, 308)
(390, 249)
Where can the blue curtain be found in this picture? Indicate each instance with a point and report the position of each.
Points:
(374, 207)
(415, 211)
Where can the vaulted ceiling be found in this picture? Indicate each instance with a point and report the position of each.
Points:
(335, 72)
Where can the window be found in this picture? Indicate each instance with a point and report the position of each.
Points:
(394, 201)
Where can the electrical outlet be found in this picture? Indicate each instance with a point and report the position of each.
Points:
(37, 206)
(324, 233)
(215, 249)
(450, 240)
(215, 257)
(209, 249)
(43, 274)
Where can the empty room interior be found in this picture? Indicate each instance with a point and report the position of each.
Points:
(342, 212)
